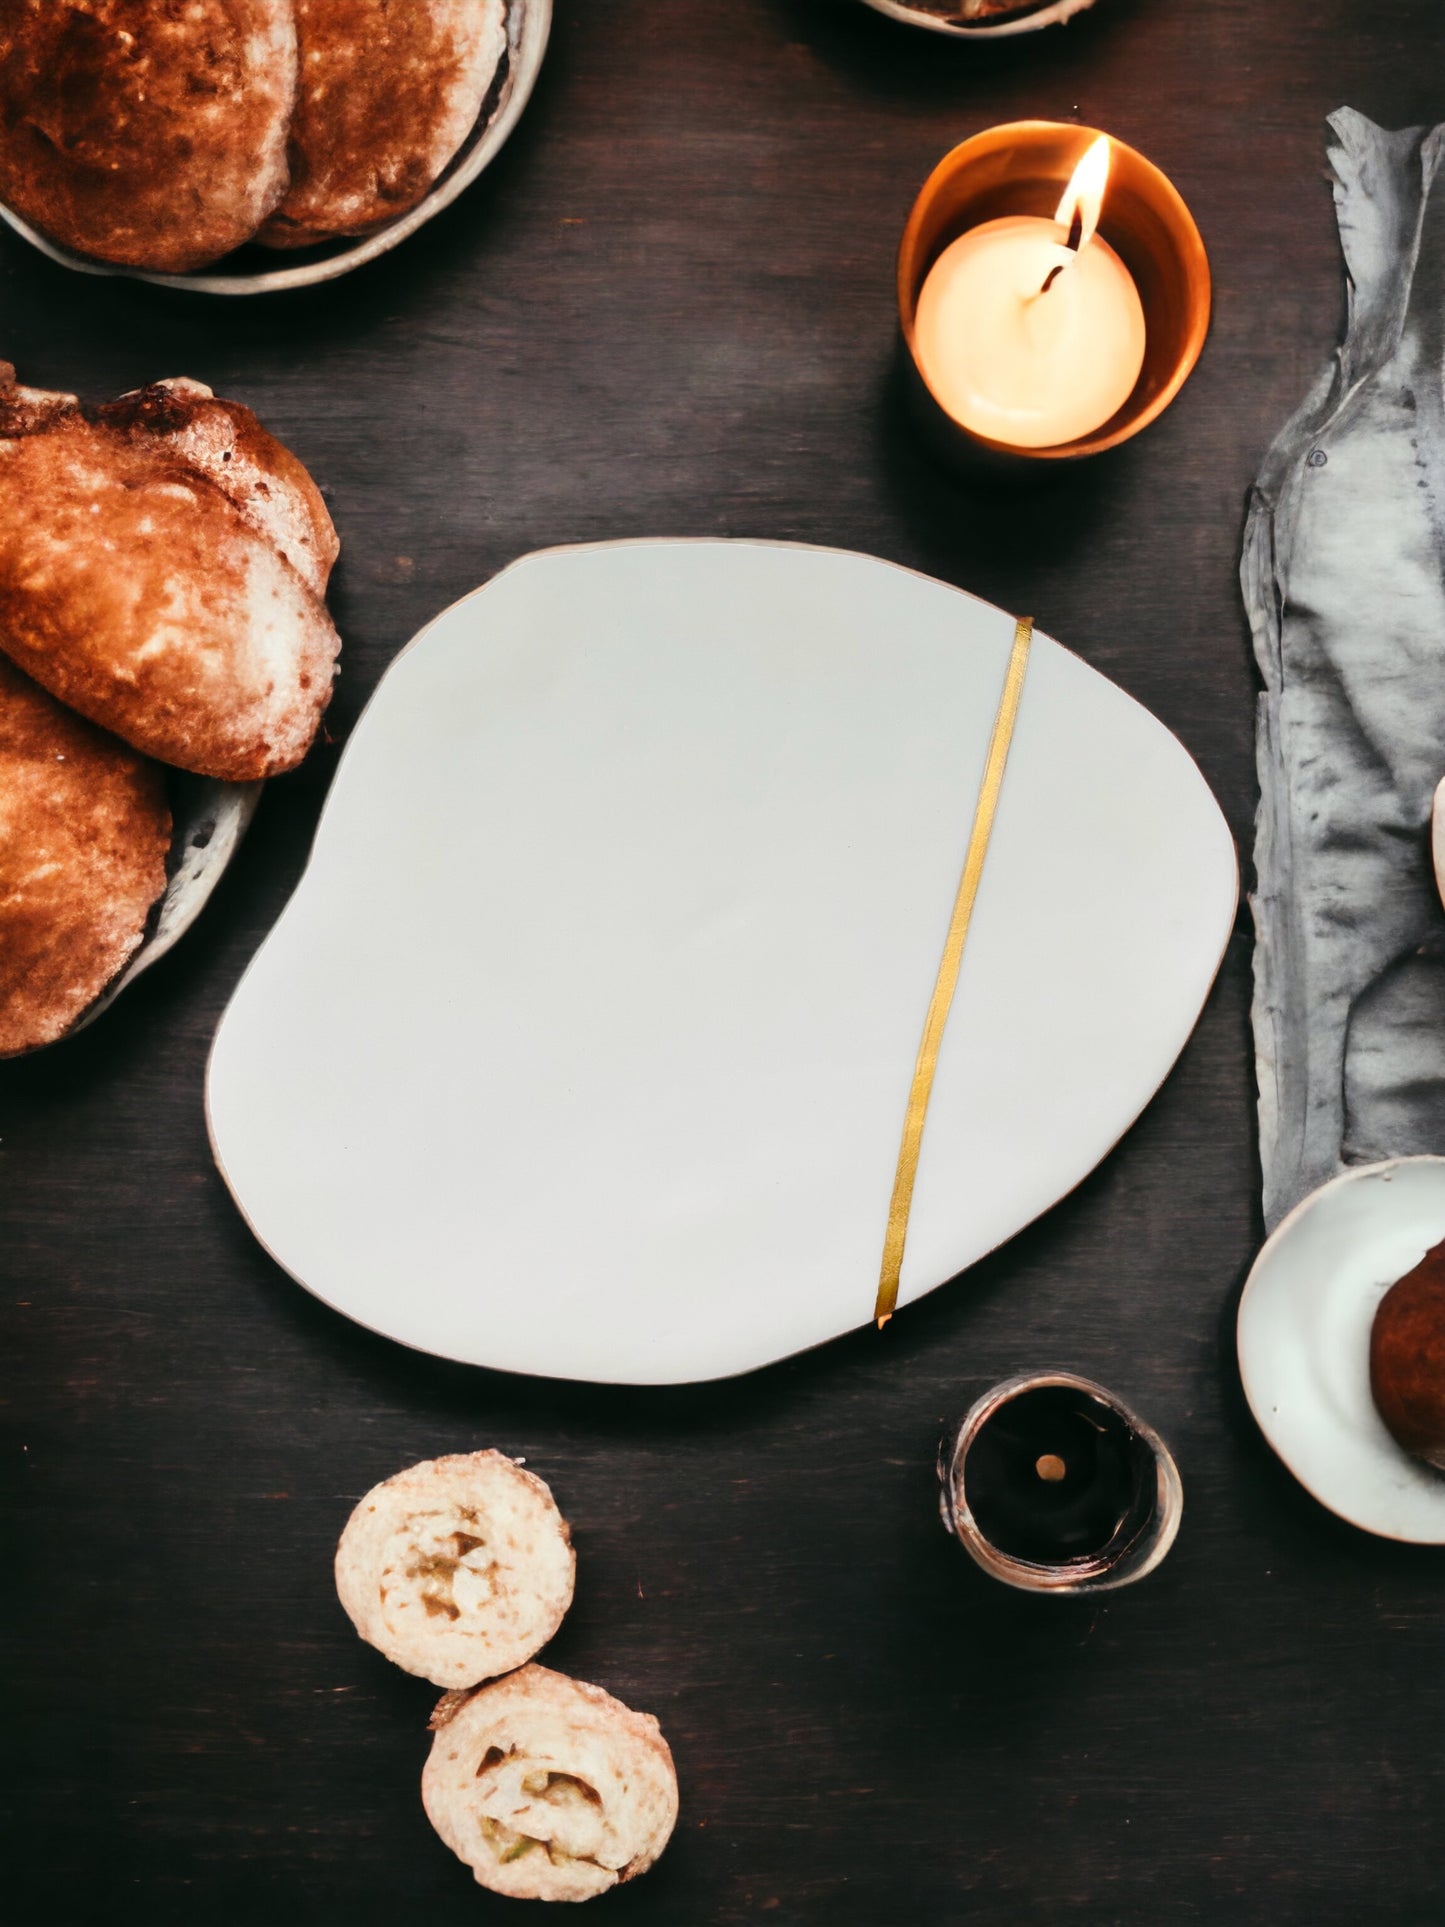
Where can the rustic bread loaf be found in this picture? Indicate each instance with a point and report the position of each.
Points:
(457, 1569)
(84, 833)
(547, 1788)
(162, 561)
(387, 96)
(146, 132)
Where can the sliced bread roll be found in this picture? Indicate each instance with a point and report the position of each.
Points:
(162, 562)
(85, 829)
(457, 1569)
(388, 94)
(146, 132)
(549, 1789)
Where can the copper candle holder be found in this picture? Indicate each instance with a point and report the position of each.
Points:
(1023, 167)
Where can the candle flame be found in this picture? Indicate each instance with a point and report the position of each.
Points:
(1084, 196)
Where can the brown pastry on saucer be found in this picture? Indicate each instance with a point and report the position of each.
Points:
(1407, 1359)
(162, 566)
(145, 132)
(387, 96)
(84, 833)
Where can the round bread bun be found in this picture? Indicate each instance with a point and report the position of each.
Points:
(387, 96)
(143, 132)
(458, 1569)
(162, 564)
(1407, 1359)
(85, 828)
(549, 1789)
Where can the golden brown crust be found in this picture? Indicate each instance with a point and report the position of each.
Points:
(388, 93)
(1407, 1359)
(157, 601)
(151, 133)
(84, 832)
(224, 441)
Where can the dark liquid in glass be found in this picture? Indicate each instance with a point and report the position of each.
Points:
(1055, 1477)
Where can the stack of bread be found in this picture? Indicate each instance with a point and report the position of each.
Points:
(163, 569)
(160, 136)
(460, 1569)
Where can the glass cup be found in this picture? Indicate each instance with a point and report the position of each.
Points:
(1053, 1485)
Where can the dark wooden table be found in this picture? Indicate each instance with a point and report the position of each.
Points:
(668, 310)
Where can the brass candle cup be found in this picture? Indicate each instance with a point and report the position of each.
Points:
(1129, 1482)
(1024, 167)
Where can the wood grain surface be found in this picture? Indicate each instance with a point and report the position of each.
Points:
(668, 310)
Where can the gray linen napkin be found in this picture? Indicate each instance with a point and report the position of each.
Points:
(1344, 580)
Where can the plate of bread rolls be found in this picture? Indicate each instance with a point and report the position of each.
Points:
(164, 648)
(244, 146)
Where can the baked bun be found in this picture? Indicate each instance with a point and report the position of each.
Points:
(387, 96)
(457, 1569)
(549, 1789)
(146, 132)
(162, 563)
(84, 833)
(1407, 1359)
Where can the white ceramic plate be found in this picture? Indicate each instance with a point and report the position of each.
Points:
(1304, 1342)
(986, 30)
(529, 22)
(584, 1045)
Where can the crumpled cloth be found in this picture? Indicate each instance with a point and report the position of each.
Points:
(1344, 580)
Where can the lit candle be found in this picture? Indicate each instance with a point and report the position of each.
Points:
(1029, 331)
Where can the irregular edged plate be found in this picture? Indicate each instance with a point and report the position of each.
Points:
(529, 23)
(1304, 1343)
(583, 1047)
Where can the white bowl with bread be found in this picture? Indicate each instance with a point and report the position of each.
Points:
(327, 131)
(165, 647)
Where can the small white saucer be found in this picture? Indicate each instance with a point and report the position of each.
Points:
(1304, 1343)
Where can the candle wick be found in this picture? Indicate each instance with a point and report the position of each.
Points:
(1074, 243)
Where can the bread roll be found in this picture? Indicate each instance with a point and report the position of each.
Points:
(549, 1789)
(142, 131)
(162, 561)
(85, 829)
(387, 96)
(223, 441)
(457, 1569)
